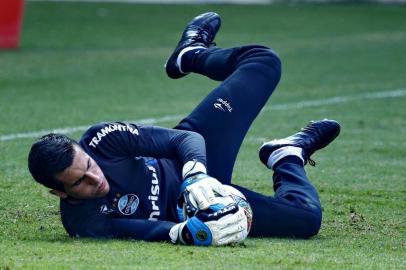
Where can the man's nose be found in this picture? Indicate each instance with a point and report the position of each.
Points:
(92, 178)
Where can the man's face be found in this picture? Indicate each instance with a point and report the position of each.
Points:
(83, 179)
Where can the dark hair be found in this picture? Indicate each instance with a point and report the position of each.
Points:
(50, 155)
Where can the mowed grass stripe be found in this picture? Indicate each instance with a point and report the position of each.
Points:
(287, 44)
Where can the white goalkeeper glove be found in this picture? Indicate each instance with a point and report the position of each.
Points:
(210, 227)
(200, 186)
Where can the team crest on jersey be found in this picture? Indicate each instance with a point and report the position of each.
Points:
(128, 204)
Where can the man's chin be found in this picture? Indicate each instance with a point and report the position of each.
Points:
(104, 192)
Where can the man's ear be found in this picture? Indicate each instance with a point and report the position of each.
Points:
(58, 193)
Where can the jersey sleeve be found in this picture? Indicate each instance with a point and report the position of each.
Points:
(112, 140)
(102, 226)
(141, 229)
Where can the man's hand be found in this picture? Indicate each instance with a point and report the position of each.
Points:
(199, 185)
(201, 190)
(210, 227)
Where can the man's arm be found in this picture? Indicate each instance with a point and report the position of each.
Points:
(104, 226)
(117, 139)
(218, 227)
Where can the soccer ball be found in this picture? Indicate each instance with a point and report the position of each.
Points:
(190, 207)
(238, 198)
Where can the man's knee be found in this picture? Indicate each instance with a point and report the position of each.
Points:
(270, 58)
(311, 225)
(266, 61)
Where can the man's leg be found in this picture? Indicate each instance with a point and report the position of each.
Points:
(295, 209)
(249, 75)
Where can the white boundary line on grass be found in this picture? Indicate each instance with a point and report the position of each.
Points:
(287, 106)
(338, 99)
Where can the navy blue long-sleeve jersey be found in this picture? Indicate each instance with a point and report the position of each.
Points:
(143, 167)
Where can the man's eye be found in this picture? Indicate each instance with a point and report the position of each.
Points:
(77, 183)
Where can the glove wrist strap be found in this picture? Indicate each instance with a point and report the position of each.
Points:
(199, 231)
(191, 180)
(193, 167)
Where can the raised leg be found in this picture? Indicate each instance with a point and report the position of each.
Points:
(249, 75)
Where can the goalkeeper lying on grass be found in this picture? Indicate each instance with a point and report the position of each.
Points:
(129, 181)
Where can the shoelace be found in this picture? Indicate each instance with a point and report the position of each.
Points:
(311, 129)
(201, 34)
(310, 161)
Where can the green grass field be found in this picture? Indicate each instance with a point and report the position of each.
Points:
(84, 63)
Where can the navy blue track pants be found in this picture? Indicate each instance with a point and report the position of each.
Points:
(249, 74)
